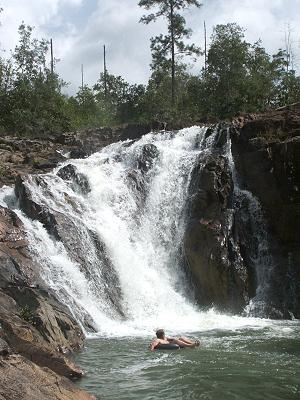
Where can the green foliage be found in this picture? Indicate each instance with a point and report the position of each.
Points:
(27, 314)
(111, 100)
(286, 84)
(29, 92)
(224, 78)
(83, 108)
(239, 77)
(155, 104)
(120, 101)
(106, 104)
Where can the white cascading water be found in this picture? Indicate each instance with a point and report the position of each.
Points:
(142, 238)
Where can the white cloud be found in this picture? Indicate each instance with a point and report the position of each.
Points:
(80, 27)
(33, 12)
(262, 19)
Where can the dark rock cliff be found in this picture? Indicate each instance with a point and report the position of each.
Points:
(217, 268)
(266, 150)
(243, 236)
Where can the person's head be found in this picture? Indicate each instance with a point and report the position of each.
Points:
(160, 333)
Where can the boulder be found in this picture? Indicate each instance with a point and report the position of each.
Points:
(39, 336)
(78, 153)
(23, 340)
(39, 307)
(20, 378)
(134, 131)
(42, 161)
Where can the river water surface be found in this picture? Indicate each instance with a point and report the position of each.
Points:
(256, 361)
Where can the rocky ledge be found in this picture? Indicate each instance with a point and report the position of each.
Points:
(22, 156)
(36, 330)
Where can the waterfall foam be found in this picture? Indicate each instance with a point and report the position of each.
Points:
(141, 232)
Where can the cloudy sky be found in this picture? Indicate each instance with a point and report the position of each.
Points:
(79, 29)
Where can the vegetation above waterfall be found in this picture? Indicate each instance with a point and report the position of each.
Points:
(237, 76)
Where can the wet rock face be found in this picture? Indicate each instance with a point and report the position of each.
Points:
(79, 181)
(148, 155)
(33, 322)
(15, 263)
(137, 183)
(138, 178)
(65, 229)
(266, 150)
(228, 253)
(211, 250)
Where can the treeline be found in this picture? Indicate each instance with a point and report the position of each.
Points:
(238, 77)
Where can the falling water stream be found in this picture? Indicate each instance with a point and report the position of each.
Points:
(119, 270)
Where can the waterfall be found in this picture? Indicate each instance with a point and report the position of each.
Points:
(115, 257)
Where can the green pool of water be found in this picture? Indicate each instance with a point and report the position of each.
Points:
(242, 364)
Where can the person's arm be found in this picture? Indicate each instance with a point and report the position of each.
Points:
(153, 344)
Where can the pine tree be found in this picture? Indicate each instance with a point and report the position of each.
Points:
(165, 47)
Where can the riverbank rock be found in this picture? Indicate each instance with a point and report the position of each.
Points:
(32, 321)
(22, 379)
